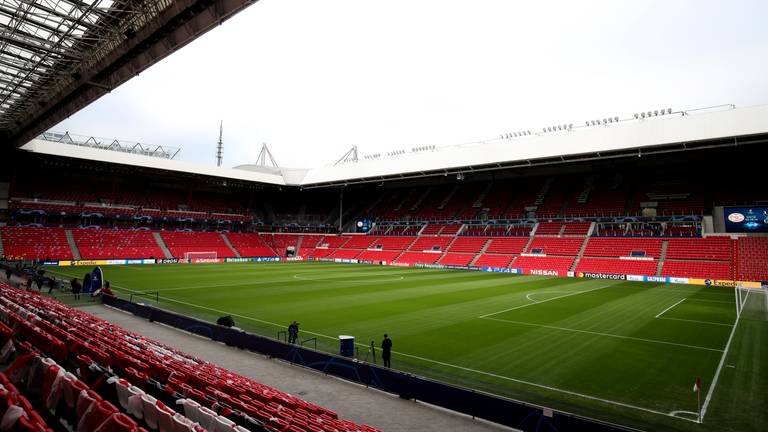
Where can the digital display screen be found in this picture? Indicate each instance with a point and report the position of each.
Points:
(746, 219)
(364, 225)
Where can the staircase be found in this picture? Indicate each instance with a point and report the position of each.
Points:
(543, 192)
(229, 244)
(447, 198)
(662, 257)
(562, 230)
(421, 199)
(482, 251)
(579, 255)
(528, 243)
(533, 231)
(479, 201)
(5, 188)
(298, 244)
(162, 245)
(72, 244)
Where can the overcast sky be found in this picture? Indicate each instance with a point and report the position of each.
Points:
(313, 78)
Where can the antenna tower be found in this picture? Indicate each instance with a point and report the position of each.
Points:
(220, 145)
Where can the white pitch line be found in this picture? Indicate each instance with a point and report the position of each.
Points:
(543, 301)
(532, 384)
(697, 321)
(665, 310)
(604, 334)
(710, 301)
(528, 296)
(720, 366)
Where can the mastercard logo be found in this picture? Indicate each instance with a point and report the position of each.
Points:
(736, 217)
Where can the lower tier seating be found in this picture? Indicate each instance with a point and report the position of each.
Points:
(617, 266)
(418, 258)
(697, 269)
(492, 260)
(116, 244)
(33, 243)
(753, 258)
(457, 259)
(559, 264)
(162, 388)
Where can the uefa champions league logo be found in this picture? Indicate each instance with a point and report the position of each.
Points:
(765, 217)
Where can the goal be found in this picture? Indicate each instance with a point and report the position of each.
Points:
(751, 303)
(192, 256)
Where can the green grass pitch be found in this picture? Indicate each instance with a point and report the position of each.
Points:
(624, 352)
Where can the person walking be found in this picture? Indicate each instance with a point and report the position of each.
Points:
(386, 351)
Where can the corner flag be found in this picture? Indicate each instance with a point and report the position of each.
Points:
(697, 390)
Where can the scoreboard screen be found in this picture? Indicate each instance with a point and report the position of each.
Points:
(746, 219)
(364, 225)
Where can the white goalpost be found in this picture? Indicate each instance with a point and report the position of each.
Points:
(751, 303)
(191, 256)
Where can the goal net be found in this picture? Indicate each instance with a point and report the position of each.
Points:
(752, 303)
(192, 256)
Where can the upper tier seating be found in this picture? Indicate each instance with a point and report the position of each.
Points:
(559, 264)
(507, 245)
(398, 243)
(378, 255)
(116, 244)
(182, 242)
(556, 246)
(617, 266)
(32, 243)
(334, 241)
(617, 247)
(549, 228)
(710, 248)
(697, 269)
(344, 253)
(577, 228)
(753, 259)
(431, 243)
(468, 244)
(358, 242)
(250, 245)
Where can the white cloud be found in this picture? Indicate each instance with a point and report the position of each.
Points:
(313, 78)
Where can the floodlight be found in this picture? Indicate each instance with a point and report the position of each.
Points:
(616, 119)
(669, 110)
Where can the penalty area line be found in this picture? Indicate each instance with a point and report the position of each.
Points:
(542, 301)
(489, 374)
(667, 309)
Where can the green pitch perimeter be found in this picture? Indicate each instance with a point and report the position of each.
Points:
(624, 352)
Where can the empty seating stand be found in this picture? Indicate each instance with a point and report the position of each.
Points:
(618, 247)
(753, 258)
(617, 266)
(250, 245)
(162, 388)
(116, 244)
(33, 243)
(182, 242)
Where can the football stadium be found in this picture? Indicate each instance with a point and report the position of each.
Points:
(609, 274)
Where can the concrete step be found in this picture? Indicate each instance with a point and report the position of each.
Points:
(662, 257)
(162, 245)
(229, 244)
(72, 244)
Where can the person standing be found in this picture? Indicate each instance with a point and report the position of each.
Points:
(293, 332)
(386, 350)
(76, 288)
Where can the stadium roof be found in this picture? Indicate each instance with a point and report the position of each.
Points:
(687, 131)
(57, 56)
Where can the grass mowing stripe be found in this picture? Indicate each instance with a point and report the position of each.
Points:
(543, 301)
(711, 390)
(696, 321)
(546, 387)
(603, 334)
